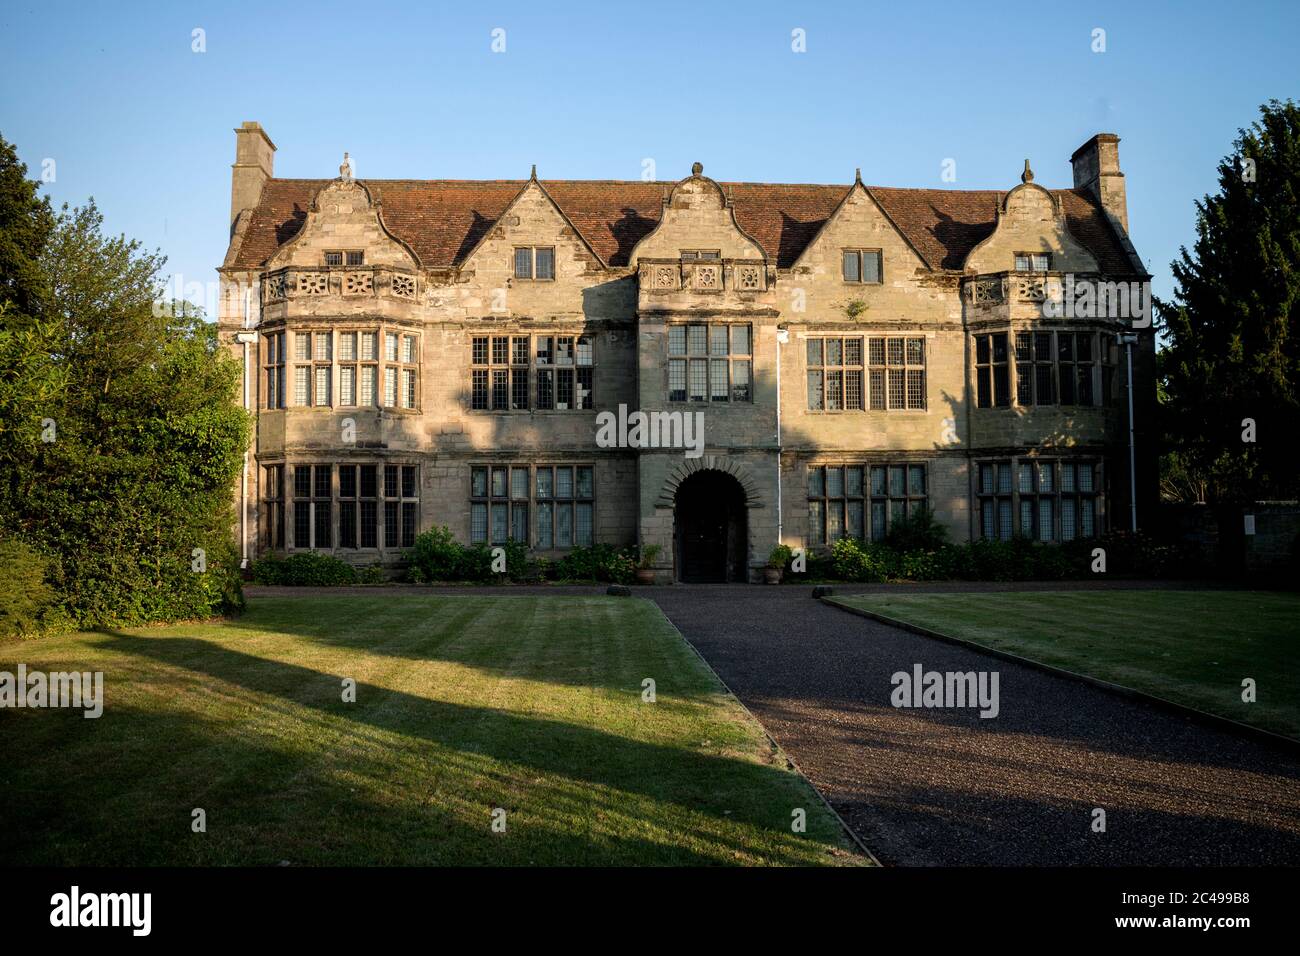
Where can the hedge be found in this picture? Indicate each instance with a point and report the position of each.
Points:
(25, 597)
(1127, 555)
(437, 556)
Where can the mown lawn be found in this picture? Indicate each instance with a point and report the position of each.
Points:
(1191, 647)
(464, 704)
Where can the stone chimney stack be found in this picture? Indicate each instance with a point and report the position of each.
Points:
(254, 165)
(1096, 169)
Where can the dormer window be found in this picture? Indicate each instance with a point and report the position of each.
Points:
(862, 265)
(1033, 262)
(701, 254)
(353, 258)
(532, 262)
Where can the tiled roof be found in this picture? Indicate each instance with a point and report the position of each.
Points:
(442, 220)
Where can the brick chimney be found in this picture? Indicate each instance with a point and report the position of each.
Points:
(1096, 169)
(254, 165)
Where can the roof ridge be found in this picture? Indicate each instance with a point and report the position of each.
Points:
(670, 183)
(442, 218)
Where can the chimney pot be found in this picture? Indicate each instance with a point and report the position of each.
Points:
(1096, 169)
(254, 165)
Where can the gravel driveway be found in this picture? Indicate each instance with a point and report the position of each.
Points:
(947, 787)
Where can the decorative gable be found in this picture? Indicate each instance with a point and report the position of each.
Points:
(343, 218)
(533, 220)
(859, 222)
(698, 215)
(1030, 220)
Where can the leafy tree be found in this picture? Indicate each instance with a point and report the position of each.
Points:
(1233, 344)
(24, 596)
(122, 437)
(26, 223)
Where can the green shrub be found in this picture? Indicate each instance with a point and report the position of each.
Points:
(853, 563)
(516, 553)
(132, 501)
(620, 568)
(372, 574)
(923, 566)
(601, 562)
(820, 565)
(1053, 563)
(475, 564)
(436, 556)
(780, 556)
(1017, 559)
(952, 562)
(304, 569)
(578, 565)
(536, 571)
(268, 569)
(886, 558)
(992, 560)
(25, 597)
(918, 531)
(1130, 555)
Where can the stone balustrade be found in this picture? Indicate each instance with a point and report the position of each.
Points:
(349, 281)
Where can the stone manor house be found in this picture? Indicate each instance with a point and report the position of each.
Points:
(427, 352)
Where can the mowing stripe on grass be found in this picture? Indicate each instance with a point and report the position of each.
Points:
(464, 704)
(1084, 624)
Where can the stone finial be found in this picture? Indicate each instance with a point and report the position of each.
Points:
(533, 175)
(857, 176)
(1028, 175)
(345, 169)
(697, 169)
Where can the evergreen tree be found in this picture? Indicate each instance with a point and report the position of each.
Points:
(1233, 347)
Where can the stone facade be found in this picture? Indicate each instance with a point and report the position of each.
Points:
(436, 353)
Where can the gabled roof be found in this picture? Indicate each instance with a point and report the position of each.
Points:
(443, 219)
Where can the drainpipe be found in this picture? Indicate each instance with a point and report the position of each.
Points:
(246, 337)
(782, 337)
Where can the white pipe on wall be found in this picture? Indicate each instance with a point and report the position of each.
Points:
(1127, 340)
(243, 479)
(246, 338)
(782, 337)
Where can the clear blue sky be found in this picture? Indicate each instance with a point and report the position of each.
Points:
(114, 94)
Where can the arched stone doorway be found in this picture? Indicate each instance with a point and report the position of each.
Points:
(710, 528)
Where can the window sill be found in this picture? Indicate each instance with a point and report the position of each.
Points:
(903, 412)
(346, 408)
(532, 550)
(528, 411)
(344, 550)
(690, 404)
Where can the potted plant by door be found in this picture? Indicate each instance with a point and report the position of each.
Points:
(645, 572)
(776, 562)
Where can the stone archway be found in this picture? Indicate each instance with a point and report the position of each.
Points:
(710, 528)
(668, 494)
